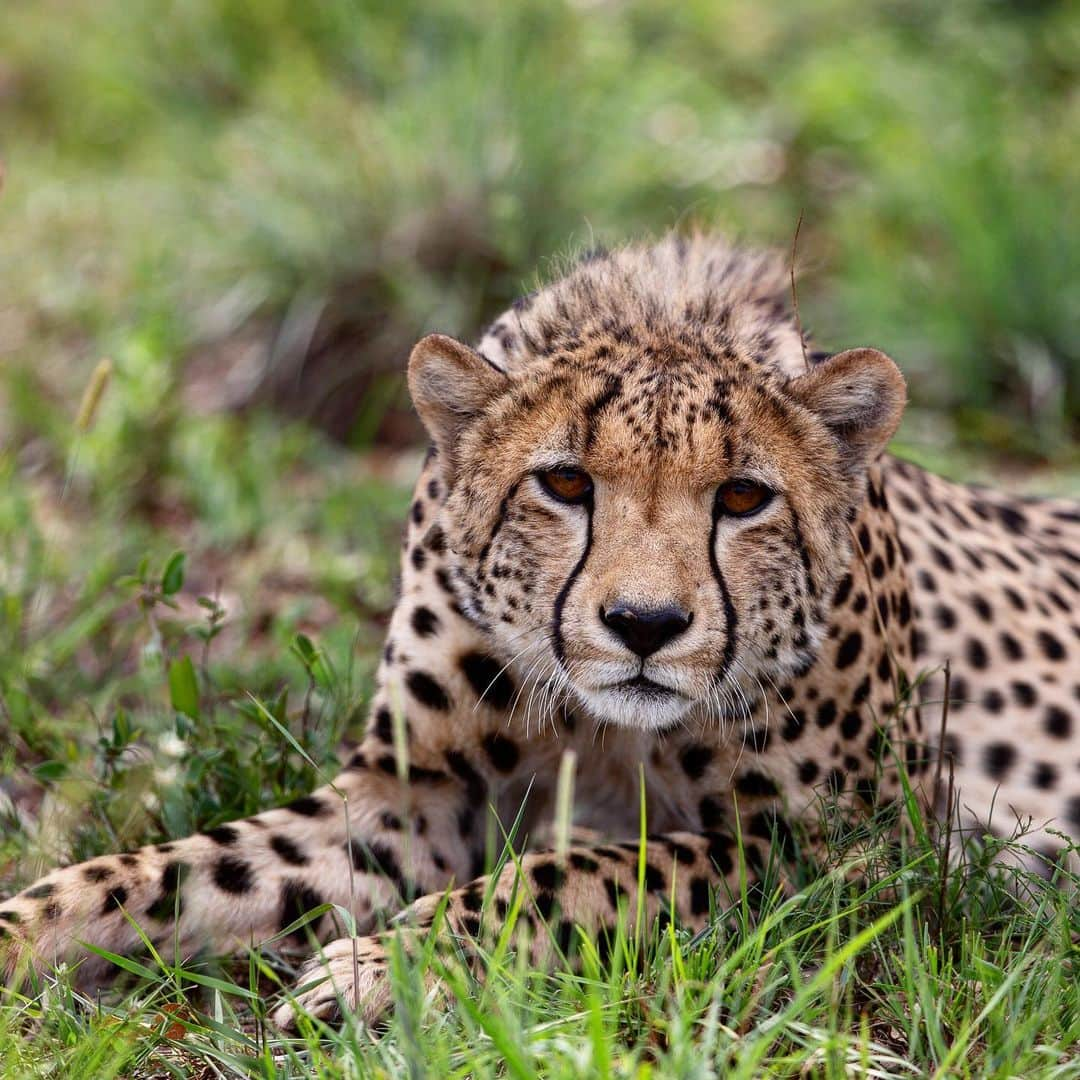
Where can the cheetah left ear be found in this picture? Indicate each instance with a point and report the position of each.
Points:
(450, 384)
(860, 396)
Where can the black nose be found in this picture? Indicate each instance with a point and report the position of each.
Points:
(644, 630)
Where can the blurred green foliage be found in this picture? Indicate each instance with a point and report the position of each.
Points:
(322, 182)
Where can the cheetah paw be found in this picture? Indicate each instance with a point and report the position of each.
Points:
(350, 975)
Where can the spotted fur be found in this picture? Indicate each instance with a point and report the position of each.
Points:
(664, 373)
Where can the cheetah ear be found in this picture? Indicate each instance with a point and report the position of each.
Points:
(860, 396)
(450, 384)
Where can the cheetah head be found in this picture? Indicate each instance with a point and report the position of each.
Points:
(647, 526)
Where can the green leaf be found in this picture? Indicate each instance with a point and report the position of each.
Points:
(183, 688)
(303, 647)
(50, 770)
(172, 577)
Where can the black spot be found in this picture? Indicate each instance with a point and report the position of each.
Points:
(1012, 647)
(1051, 647)
(1012, 519)
(998, 759)
(843, 590)
(427, 691)
(755, 783)
(418, 512)
(96, 872)
(308, 806)
(418, 557)
(615, 892)
(502, 752)
(941, 558)
(1045, 775)
(469, 924)
(851, 725)
(389, 821)
(719, 852)
(1072, 811)
(866, 788)
(584, 863)
(233, 875)
(425, 622)
(288, 852)
(487, 678)
(545, 904)
(475, 785)
(792, 728)
(826, 714)
(1024, 693)
(40, 892)
(436, 540)
(772, 827)
(884, 667)
(167, 904)
(1057, 722)
(695, 760)
(297, 899)
(378, 859)
(862, 691)
(547, 875)
(808, 771)
(700, 896)
(904, 609)
(472, 898)
(951, 748)
(849, 649)
(225, 835)
(655, 880)
(945, 617)
(711, 812)
(115, 900)
(993, 701)
(976, 654)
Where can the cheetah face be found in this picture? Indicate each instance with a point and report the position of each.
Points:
(646, 533)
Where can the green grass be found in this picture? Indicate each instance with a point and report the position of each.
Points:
(912, 967)
(253, 210)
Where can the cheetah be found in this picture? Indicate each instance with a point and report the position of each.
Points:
(658, 531)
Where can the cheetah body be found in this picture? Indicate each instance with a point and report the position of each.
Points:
(814, 641)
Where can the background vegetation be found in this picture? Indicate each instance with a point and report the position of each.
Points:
(254, 208)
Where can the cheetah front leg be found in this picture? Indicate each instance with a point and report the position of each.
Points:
(369, 843)
(594, 887)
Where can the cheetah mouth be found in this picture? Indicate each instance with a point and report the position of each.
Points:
(644, 686)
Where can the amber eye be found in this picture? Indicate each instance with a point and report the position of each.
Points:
(566, 484)
(742, 497)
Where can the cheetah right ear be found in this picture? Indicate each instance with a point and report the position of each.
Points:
(450, 384)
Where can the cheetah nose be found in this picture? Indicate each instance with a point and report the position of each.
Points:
(644, 630)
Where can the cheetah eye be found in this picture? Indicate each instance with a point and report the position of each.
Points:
(741, 498)
(567, 484)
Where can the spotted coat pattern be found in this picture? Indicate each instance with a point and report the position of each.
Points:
(661, 375)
